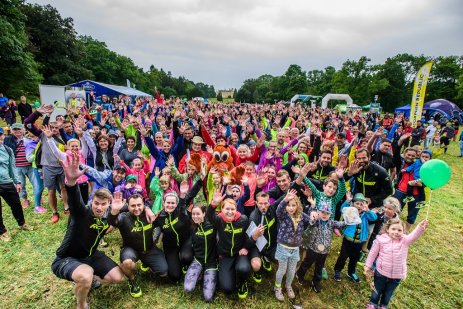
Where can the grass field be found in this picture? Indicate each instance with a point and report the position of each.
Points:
(435, 278)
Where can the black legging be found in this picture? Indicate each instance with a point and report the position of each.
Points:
(177, 258)
(233, 271)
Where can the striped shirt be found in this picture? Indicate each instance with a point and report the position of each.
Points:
(21, 160)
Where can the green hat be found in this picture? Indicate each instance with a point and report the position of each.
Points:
(92, 112)
(131, 177)
(359, 197)
(17, 126)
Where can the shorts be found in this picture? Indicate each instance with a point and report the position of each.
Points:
(284, 253)
(153, 258)
(64, 267)
(268, 253)
(53, 177)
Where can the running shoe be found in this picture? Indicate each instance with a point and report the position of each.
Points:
(95, 284)
(103, 243)
(266, 264)
(243, 290)
(337, 276)
(55, 217)
(40, 209)
(354, 277)
(279, 294)
(324, 274)
(257, 277)
(144, 268)
(408, 199)
(134, 288)
(26, 227)
(290, 291)
(6, 237)
(300, 280)
(316, 287)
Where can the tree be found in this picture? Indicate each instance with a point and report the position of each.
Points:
(53, 42)
(219, 97)
(18, 70)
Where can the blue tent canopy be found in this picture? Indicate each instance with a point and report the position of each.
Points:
(444, 107)
(110, 90)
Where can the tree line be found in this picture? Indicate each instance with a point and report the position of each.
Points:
(38, 45)
(392, 81)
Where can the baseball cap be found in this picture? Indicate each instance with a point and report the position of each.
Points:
(359, 197)
(120, 168)
(131, 177)
(112, 132)
(325, 208)
(17, 126)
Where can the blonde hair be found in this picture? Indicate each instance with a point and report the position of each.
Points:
(228, 201)
(387, 225)
(392, 201)
(297, 216)
(164, 179)
(72, 140)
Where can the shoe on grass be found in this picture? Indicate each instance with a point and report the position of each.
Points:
(300, 280)
(243, 290)
(40, 210)
(290, 291)
(316, 287)
(324, 274)
(66, 211)
(144, 268)
(26, 227)
(95, 284)
(6, 237)
(354, 277)
(134, 288)
(279, 294)
(55, 217)
(266, 264)
(337, 276)
(257, 277)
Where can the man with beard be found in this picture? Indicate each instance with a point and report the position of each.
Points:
(370, 179)
(323, 167)
(382, 155)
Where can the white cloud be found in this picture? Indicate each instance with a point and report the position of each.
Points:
(225, 42)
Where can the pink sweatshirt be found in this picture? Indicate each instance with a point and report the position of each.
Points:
(391, 255)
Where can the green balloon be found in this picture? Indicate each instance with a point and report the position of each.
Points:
(435, 173)
(36, 104)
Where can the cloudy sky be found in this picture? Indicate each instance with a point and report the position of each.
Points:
(225, 42)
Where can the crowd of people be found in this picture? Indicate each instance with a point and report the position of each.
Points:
(221, 193)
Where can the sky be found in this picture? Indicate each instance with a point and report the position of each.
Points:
(225, 42)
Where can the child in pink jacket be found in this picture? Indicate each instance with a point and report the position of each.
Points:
(390, 251)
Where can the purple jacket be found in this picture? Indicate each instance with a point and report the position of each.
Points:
(287, 235)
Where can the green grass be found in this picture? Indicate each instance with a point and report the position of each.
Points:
(434, 278)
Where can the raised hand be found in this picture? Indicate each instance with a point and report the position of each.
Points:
(117, 202)
(339, 172)
(290, 195)
(184, 188)
(170, 161)
(71, 169)
(157, 172)
(217, 198)
(354, 168)
(47, 131)
(117, 159)
(349, 196)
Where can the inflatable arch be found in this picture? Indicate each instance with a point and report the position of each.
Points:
(336, 96)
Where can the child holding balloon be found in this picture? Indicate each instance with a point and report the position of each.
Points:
(390, 251)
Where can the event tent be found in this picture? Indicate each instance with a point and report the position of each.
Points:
(444, 107)
(110, 90)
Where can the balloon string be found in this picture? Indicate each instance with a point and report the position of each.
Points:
(429, 205)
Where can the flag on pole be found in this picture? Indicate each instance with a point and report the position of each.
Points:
(128, 83)
(419, 90)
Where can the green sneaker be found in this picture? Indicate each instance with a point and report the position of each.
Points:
(265, 264)
(144, 268)
(243, 290)
(421, 205)
(184, 269)
(324, 274)
(408, 199)
(134, 288)
(257, 277)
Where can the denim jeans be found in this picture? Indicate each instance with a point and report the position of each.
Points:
(23, 172)
(385, 288)
(461, 148)
(38, 189)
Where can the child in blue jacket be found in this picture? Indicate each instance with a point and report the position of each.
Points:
(354, 237)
